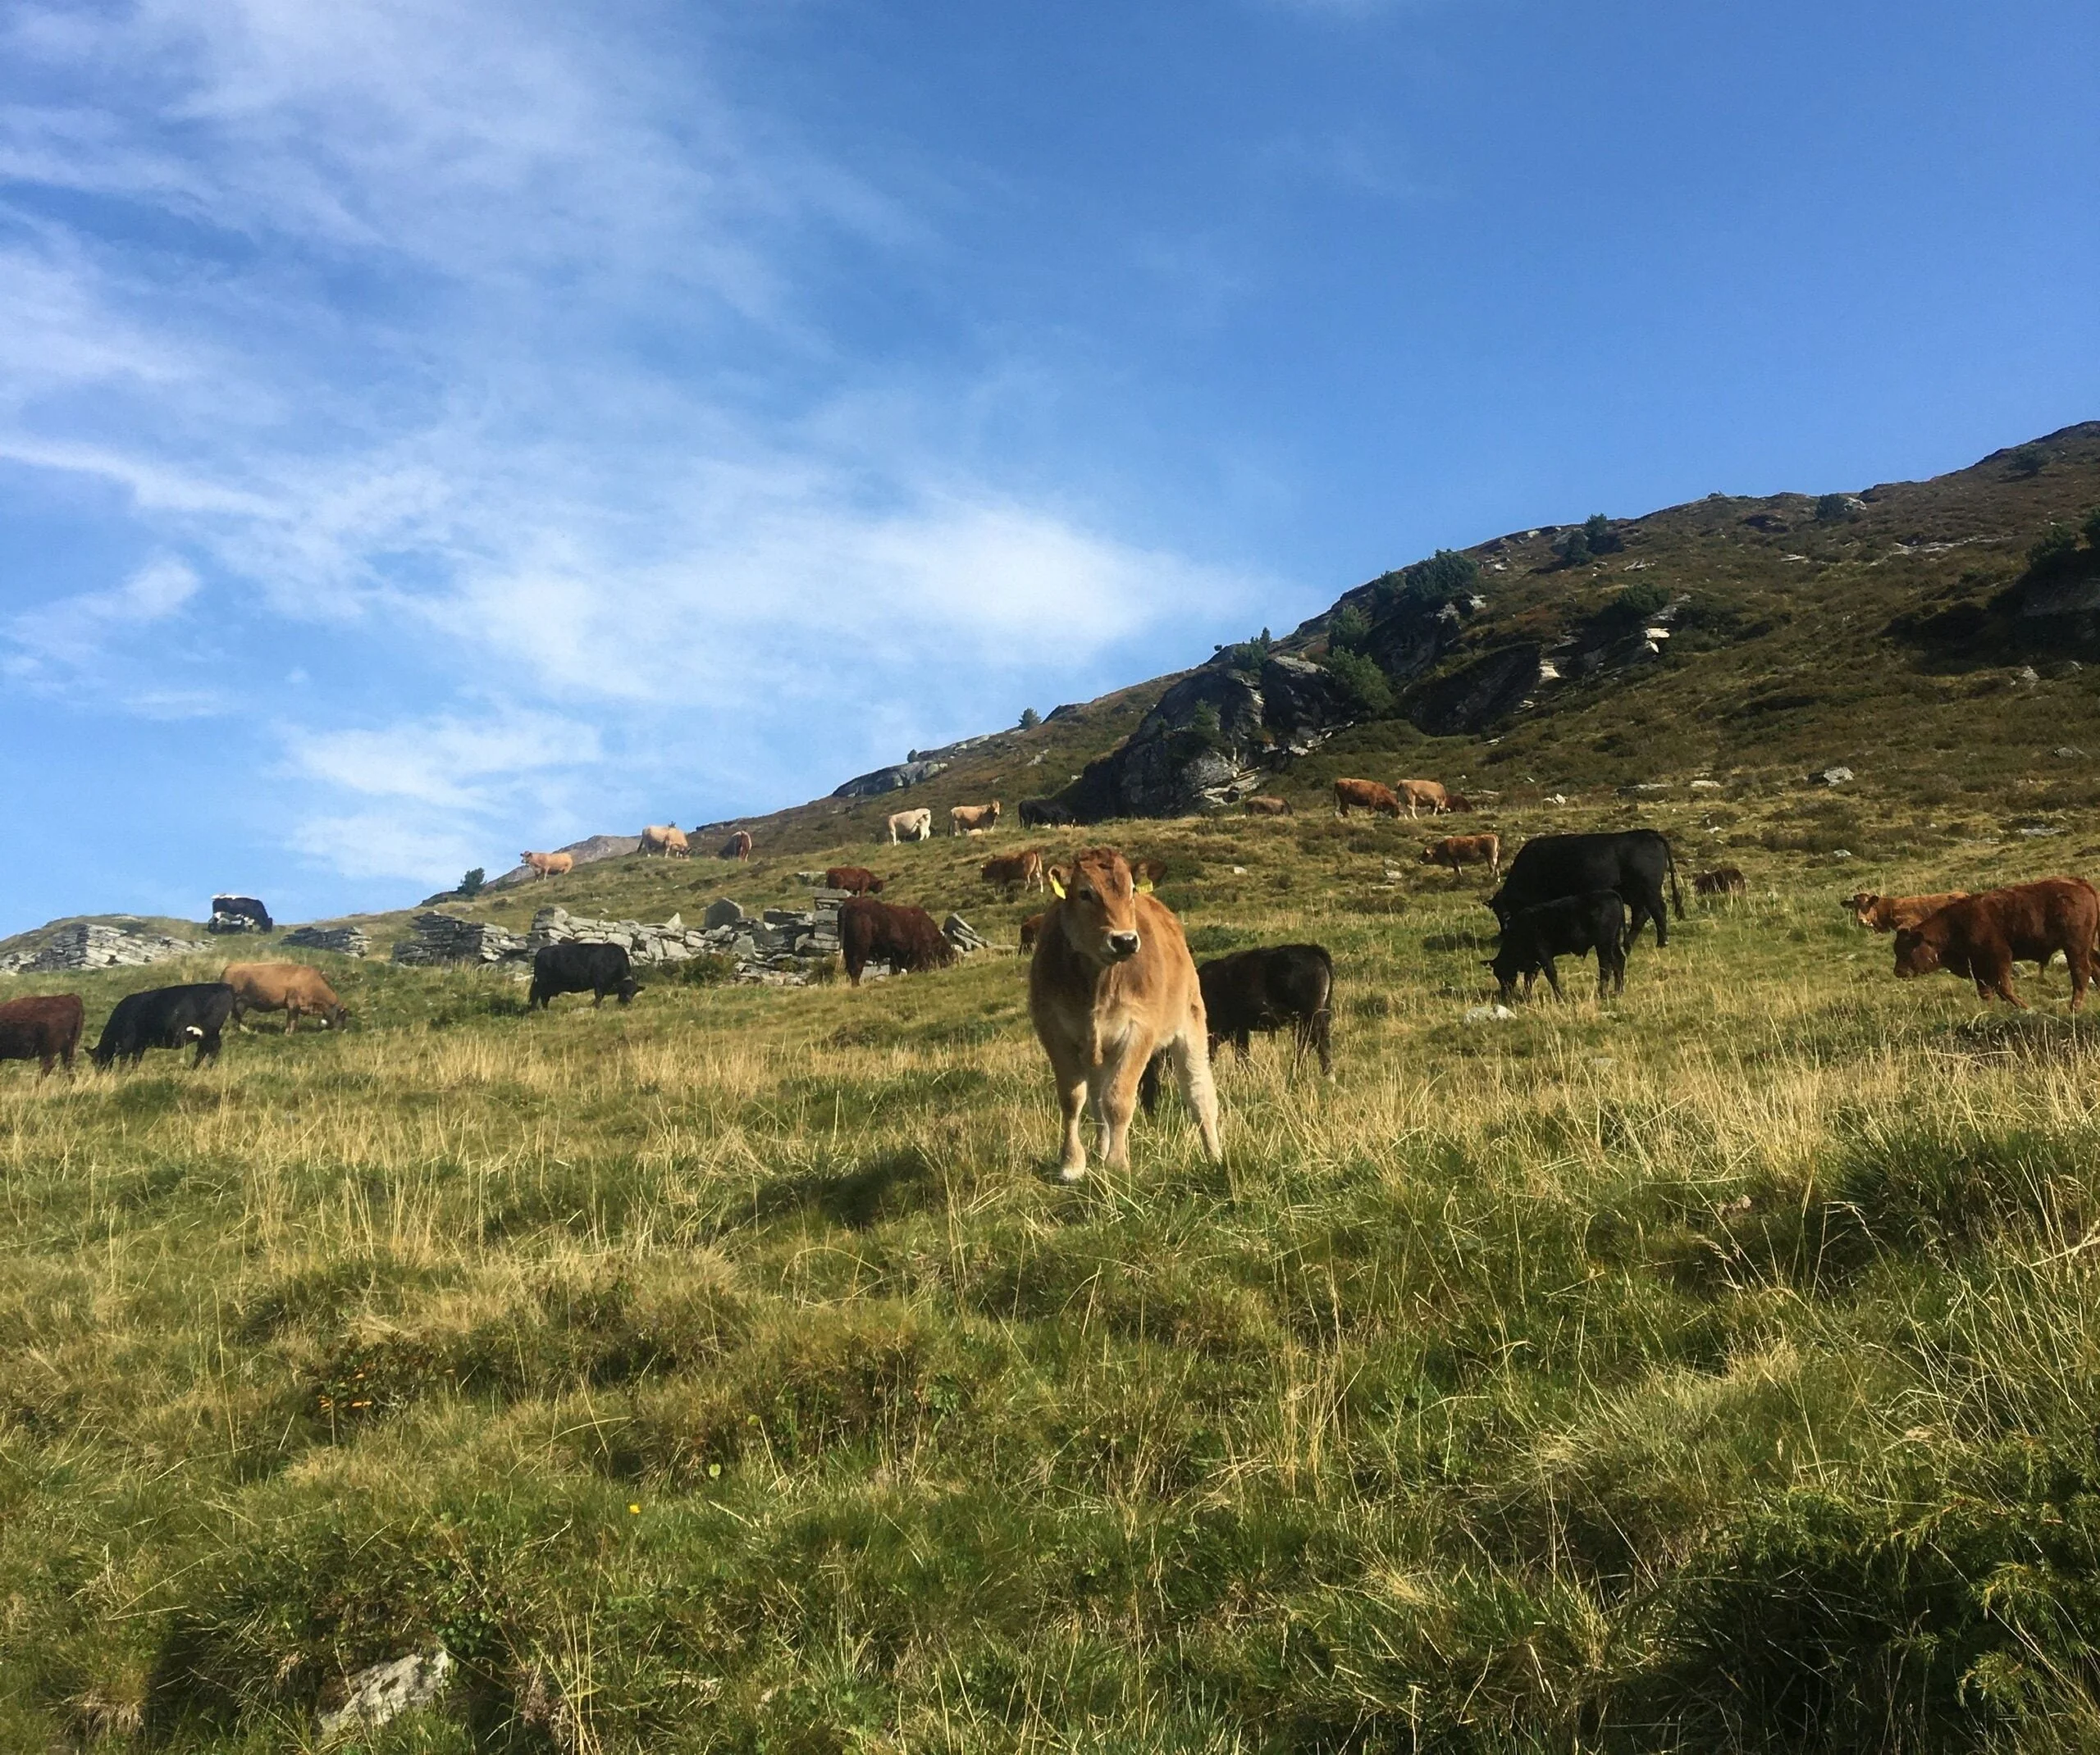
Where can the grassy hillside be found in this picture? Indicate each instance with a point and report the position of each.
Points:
(1714, 1370)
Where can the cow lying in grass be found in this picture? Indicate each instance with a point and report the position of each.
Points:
(1570, 926)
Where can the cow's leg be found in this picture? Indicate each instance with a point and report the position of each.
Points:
(1192, 1071)
(1242, 1043)
(1115, 1099)
(1068, 1067)
(291, 1019)
(208, 1049)
(2081, 972)
(1552, 979)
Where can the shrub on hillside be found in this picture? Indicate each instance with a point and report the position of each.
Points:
(2053, 553)
(1445, 577)
(1634, 606)
(1348, 630)
(1369, 694)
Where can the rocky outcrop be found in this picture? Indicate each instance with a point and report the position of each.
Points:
(894, 778)
(88, 944)
(1490, 688)
(346, 940)
(439, 938)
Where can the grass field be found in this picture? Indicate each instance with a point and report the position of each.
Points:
(1718, 1369)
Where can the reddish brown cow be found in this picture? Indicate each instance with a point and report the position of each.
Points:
(856, 878)
(44, 1027)
(1891, 913)
(1262, 805)
(1723, 880)
(904, 938)
(1024, 869)
(1455, 850)
(737, 846)
(1030, 929)
(1982, 936)
(1364, 794)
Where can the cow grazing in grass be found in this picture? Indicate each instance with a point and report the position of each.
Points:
(548, 865)
(1569, 926)
(1457, 850)
(1891, 913)
(1261, 804)
(904, 938)
(1269, 989)
(1030, 929)
(857, 880)
(666, 838)
(1364, 794)
(1044, 814)
(1723, 880)
(1982, 936)
(1430, 794)
(44, 1027)
(292, 988)
(1111, 984)
(973, 819)
(573, 968)
(1634, 862)
(166, 1018)
(1023, 870)
(910, 825)
(737, 846)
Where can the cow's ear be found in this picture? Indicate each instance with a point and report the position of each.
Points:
(1057, 877)
(1143, 886)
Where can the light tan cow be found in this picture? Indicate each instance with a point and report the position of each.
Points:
(1418, 792)
(666, 838)
(1455, 850)
(1365, 795)
(292, 988)
(1111, 985)
(910, 825)
(1262, 805)
(1897, 913)
(550, 864)
(973, 819)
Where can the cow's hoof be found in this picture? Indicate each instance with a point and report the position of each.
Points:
(1072, 1173)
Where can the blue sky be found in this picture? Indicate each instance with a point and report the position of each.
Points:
(431, 430)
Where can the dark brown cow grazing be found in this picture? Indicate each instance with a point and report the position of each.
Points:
(904, 938)
(1364, 794)
(1029, 929)
(856, 878)
(1262, 805)
(45, 1027)
(1455, 850)
(737, 846)
(1023, 869)
(1723, 880)
(1982, 936)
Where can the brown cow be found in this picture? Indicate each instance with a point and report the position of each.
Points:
(1982, 936)
(1024, 869)
(1723, 880)
(856, 878)
(666, 838)
(904, 938)
(1413, 793)
(1455, 850)
(1891, 913)
(291, 988)
(1364, 794)
(1261, 804)
(1029, 929)
(44, 1027)
(1112, 983)
(737, 846)
(973, 819)
(550, 864)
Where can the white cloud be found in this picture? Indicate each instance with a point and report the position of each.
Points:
(458, 763)
(73, 629)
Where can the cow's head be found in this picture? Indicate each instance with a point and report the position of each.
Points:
(1859, 905)
(1502, 910)
(1507, 965)
(1457, 801)
(1917, 951)
(875, 886)
(628, 988)
(1098, 914)
(1429, 853)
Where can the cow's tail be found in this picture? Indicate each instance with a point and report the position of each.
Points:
(1670, 864)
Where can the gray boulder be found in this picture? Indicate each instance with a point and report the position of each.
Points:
(385, 1691)
(894, 778)
(721, 912)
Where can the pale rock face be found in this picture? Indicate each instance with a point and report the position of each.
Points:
(385, 1691)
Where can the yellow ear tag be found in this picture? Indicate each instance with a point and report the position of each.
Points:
(1056, 886)
(1145, 888)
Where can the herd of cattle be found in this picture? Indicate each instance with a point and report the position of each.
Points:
(1116, 996)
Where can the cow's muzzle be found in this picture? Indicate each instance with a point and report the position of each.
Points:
(1122, 945)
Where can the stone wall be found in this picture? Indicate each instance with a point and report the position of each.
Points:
(87, 945)
(437, 938)
(349, 940)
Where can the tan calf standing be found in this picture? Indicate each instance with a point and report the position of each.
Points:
(1111, 985)
(1455, 850)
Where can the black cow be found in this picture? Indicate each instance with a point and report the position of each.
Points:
(1044, 814)
(1263, 989)
(1569, 926)
(1634, 862)
(166, 1018)
(595, 969)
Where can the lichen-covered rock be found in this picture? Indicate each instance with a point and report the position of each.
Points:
(384, 1692)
